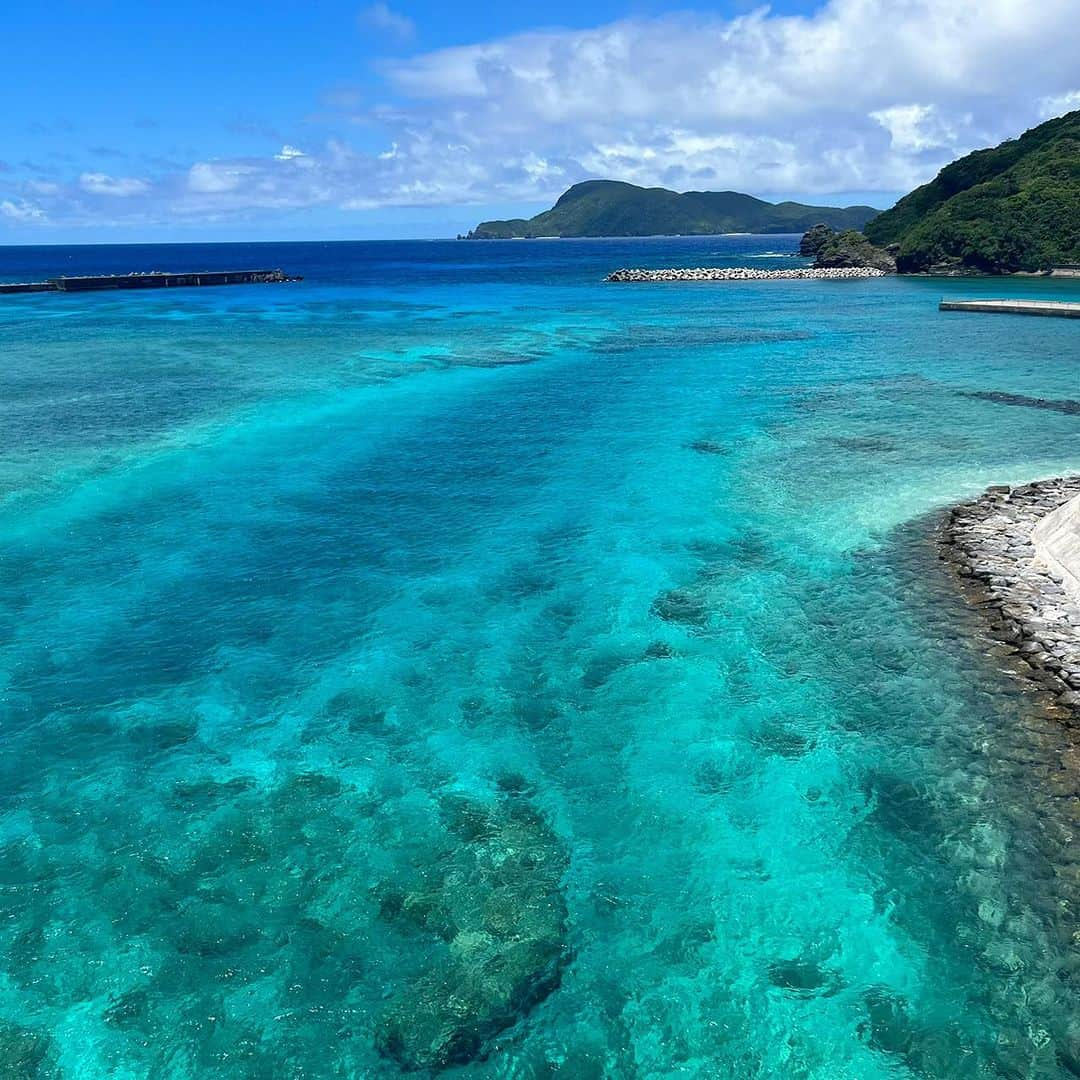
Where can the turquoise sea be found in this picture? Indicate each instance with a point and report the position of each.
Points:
(454, 663)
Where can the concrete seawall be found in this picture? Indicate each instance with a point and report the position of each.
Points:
(1057, 544)
(1019, 550)
(743, 273)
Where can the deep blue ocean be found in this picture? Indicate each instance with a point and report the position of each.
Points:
(453, 663)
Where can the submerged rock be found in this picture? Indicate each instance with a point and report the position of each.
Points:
(210, 791)
(1068, 406)
(864, 444)
(888, 1026)
(709, 446)
(659, 650)
(685, 606)
(496, 915)
(22, 1052)
(804, 978)
(774, 737)
(602, 668)
(129, 1009)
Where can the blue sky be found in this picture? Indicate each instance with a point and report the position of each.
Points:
(257, 121)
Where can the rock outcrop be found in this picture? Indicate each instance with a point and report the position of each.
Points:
(815, 239)
(852, 249)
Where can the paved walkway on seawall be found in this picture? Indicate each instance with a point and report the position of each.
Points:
(1014, 307)
(1057, 543)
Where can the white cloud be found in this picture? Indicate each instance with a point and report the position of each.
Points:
(123, 187)
(862, 95)
(762, 102)
(21, 210)
(382, 17)
(1059, 104)
(540, 170)
(215, 177)
(915, 128)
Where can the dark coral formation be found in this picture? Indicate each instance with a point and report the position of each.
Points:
(1068, 406)
(710, 446)
(493, 906)
(22, 1052)
(686, 606)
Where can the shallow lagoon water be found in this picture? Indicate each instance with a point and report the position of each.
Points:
(456, 663)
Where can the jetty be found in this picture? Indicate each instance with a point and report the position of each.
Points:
(1015, 307)
(152, 279)
(743, 273)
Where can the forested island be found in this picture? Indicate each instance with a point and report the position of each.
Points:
(613, 208)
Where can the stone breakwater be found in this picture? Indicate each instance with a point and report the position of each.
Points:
(993, 543)
(742, 273)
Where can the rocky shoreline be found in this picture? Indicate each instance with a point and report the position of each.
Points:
(990, 544)
(742, 273)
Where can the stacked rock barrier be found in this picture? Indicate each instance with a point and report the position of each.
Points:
(743, 273)
(990, 542)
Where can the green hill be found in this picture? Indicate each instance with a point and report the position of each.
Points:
(1014, 207)
(612, 208)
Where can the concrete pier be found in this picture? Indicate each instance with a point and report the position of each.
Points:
(1015, 307)
(26, 286)
(155, 279)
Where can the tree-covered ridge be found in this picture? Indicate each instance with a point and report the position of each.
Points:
(1015, 207)
(612, 208)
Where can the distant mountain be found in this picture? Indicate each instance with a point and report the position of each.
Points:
(1014, 207)
(612, 208)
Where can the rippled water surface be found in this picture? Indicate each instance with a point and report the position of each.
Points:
(453, 663)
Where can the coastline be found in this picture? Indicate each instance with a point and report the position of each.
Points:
(1020, 548)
